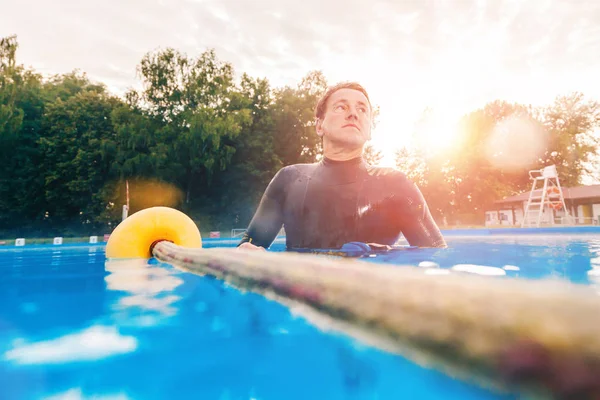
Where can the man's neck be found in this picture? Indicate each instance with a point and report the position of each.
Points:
(341, 154)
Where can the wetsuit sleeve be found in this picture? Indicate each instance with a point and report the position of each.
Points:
(414, 217)
(268, 219)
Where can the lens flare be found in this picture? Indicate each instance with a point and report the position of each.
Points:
(146, 193)
(515, 143)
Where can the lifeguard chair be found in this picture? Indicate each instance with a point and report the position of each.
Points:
(547, 197)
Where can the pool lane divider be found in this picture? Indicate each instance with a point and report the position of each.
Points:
(540, 338)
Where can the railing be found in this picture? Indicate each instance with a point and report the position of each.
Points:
(237, 232)
(578, 220)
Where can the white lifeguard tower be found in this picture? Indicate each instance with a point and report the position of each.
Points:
(545, 198)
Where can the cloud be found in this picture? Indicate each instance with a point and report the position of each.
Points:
(409, 54)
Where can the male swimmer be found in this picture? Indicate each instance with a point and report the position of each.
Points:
(342, 198)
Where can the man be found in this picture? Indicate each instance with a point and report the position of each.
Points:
(342, 199)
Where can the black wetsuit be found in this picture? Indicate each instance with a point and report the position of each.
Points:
(330, 203)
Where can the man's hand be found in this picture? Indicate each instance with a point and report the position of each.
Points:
(379, 247)
(250, 246)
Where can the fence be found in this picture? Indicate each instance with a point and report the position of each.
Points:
(239, 232)
(56, 241)
(578, 220)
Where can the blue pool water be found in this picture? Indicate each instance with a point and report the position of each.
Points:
(73, 326)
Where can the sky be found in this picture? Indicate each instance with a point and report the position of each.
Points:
(452, 56)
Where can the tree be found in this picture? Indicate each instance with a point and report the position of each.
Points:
(492, 156)
(78, 152)
(371, 155)
(497, 146)
(195, 102)
(239, 188)
(11, 117)
(296, 140)
(21, 108)
(65, 86)
(571, 122)
(194, 137)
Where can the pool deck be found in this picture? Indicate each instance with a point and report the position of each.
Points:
(521, 231)
(499, 231)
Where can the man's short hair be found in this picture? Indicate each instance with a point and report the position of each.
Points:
(322, 103)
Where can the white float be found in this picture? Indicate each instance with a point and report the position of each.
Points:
(58, 241)
(479, 269)
(93, 239)
(428, 264)
(20, 242)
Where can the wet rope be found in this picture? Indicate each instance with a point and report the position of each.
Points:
(541, 338)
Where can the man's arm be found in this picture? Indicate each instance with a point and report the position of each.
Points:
(268, 219)
(416, 222)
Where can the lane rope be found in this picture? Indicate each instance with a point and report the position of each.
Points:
(539, 337)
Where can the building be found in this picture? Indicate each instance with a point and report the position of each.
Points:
(583, 205)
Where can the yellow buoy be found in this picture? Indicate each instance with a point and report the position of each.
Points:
(134, 237)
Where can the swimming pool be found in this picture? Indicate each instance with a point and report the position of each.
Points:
(73, 326)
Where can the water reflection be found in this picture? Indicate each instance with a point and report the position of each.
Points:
(52, 309)
(594, 272)
(564, 257)
(595, 254)
(206, 339)
(428, 264)
(479, 269)
(92, 253)
(147, 287)
(56, 258)
(79, 394)
(48, 288)
(94, 343)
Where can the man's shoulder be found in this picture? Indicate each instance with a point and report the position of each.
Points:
(389, 172)
(290, 173)
(296, 169)
(394, 181)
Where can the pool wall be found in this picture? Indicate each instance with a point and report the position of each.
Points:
(476, 232)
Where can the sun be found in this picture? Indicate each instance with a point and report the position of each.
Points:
(435, 132)
(388, 138)
(429, 132)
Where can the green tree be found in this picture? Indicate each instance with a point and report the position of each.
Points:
(21, 108)
(296, 140)
(11, 117)
(78, 149)
(198, 106)
(65, 86)
(239, 188)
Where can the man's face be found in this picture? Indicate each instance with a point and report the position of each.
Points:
(347, 119)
